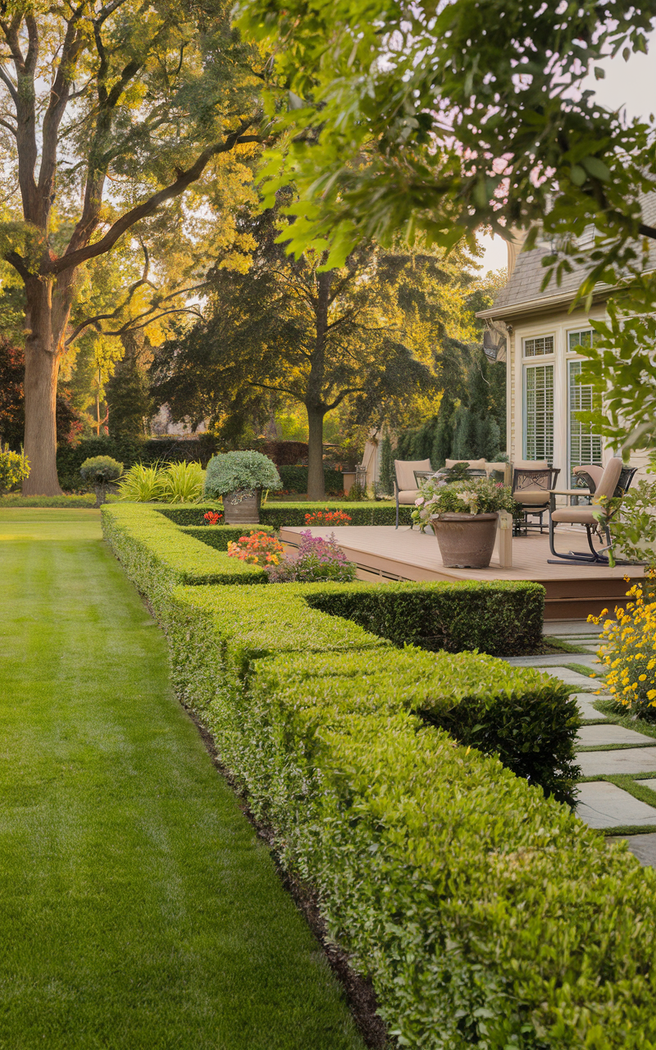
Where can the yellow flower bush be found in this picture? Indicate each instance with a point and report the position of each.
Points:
(629, 648)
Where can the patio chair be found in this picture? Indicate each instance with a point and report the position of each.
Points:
(589, 474)
(532, 483)
(614, 483)
(405, 484)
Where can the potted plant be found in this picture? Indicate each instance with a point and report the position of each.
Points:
(239, 478)
(100, 472)
(463, 516)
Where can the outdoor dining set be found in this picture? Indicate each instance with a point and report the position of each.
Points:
(592, 502)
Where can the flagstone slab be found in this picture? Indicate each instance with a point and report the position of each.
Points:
(649, 783)
(587, 711)
(629, 760)
(604, 805)
(573, 677)
(643, 847)
(589, 736)
(555, 660)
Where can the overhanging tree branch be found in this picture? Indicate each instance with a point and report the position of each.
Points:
(142, 211)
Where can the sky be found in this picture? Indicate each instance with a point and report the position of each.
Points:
(630, 84)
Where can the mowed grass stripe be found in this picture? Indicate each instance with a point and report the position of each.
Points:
(138, 908)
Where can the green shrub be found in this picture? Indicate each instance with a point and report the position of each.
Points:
(234, 471)
(295, 479)
(498, 618)
(100, 472)
(14, 468)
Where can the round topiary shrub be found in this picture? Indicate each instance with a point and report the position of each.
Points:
(99, 472)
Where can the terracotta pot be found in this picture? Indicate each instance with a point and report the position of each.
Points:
(466, 540)
(241, 507)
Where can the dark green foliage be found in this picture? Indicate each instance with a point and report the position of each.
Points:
(295, 479)
(502, 619)
(129, 399)
(12, 413)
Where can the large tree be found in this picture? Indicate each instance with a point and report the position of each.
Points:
(367, 333)
(109, 111)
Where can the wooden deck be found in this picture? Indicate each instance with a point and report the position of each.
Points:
(573, 591)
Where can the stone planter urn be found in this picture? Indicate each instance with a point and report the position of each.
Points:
(466, 540)
(242, 507)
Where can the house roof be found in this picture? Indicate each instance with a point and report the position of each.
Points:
(523, 294)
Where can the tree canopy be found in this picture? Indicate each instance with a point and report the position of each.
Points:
(109, 113)
(368, 335)
(443, 117)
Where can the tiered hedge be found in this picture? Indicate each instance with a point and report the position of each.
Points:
(485, 914)
(279, 514)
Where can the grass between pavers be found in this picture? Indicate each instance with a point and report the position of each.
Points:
(584, 669)
(554, 644)
(631, 784)
(140, 909)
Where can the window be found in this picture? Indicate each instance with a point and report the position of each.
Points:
(539, 346)
(586, 337)
(539, 406)
(584, 446)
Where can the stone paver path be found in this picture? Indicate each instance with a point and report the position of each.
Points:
(607, 747)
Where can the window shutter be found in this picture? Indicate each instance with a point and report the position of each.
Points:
(539, 403)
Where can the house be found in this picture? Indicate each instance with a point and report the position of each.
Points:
(543, 395)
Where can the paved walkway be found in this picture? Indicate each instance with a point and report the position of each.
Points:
(626, 760)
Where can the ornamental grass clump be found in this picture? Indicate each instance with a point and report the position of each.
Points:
(316, 559)
(260, 548)
(629, 649)
(438, 496)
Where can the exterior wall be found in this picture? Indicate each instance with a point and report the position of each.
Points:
(557, 325)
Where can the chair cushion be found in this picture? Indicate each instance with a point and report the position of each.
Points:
(474, 464)
(530, 464)
(595, 472)
(405, 472)
(408, 495)
(532, 497)
(574, 515)
(609, 479)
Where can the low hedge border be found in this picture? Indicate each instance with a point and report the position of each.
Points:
(501, 619)
(157, 556)
(219, 536)
(279, 514)
(484, 913)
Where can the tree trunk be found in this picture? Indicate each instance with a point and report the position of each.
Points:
(316, 483)
(45, 324)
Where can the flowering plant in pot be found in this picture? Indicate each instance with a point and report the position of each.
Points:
(239, 478)
(463, 516)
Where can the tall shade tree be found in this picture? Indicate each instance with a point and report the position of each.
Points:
(366, 334)
(108, 112)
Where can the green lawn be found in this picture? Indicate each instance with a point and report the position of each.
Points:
(139, 910)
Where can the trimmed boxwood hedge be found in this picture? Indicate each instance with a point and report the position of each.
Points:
(484, 913)
(499, 618)
(295, 479)
(219, 536)
(279, 514)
